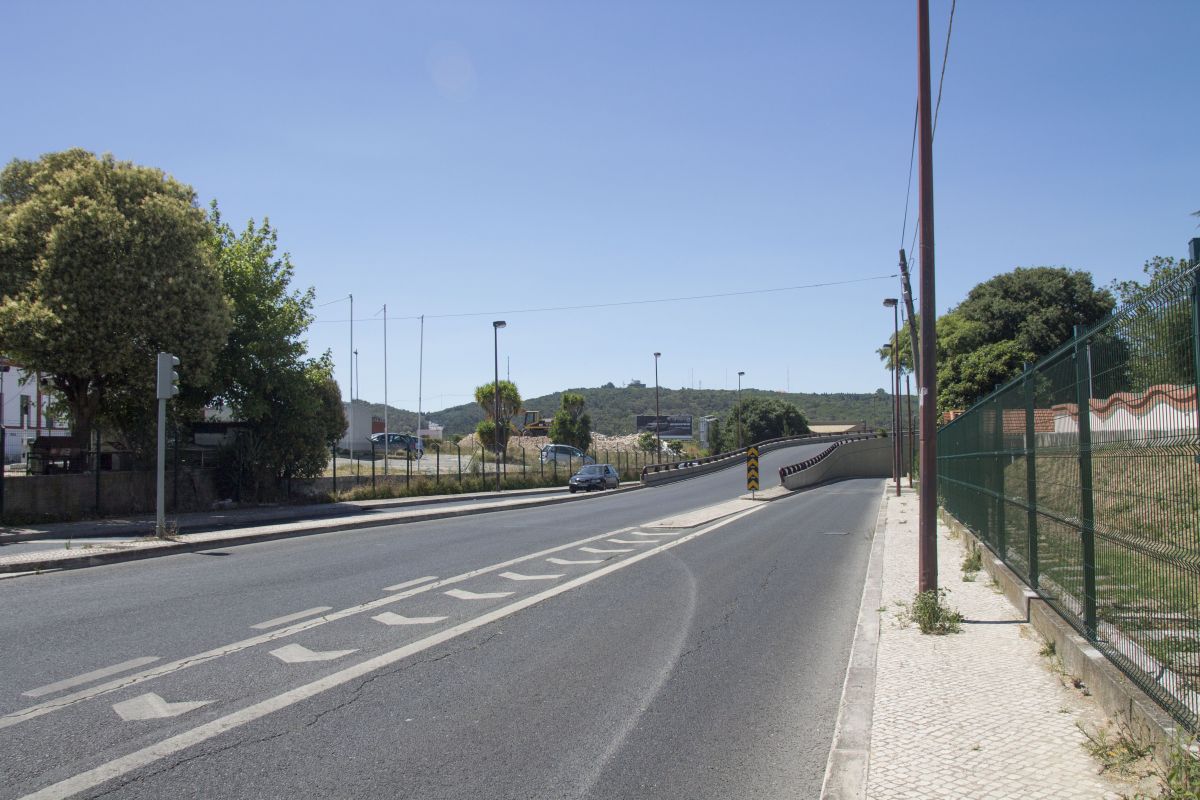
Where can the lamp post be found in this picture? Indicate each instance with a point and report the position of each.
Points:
(386, 431)
(739, 409)
(657, 414)
(3, 438)
(496, 326)
(894, 305)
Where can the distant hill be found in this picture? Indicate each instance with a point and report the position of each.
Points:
(613, 408)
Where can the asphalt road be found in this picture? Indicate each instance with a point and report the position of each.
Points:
(693, 662)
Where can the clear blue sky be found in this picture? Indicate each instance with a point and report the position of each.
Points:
(448, 157)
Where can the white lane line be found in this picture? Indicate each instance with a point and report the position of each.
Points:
(566, 561)
(407, 584)
(160, 750)
(298, 654)
(610, 550)
(151, 706)
(59, 703)
(639, 533)
(627, 541)
(88, 677)
(463, 594)
(516, 576)
(284, 620)
(392, 618)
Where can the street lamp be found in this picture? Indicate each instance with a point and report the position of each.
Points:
(894, 305)
(496, 326)
(657, 413)
(739, 409)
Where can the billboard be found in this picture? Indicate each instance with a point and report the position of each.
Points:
(676, 426)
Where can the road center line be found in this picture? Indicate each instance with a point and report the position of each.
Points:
(48, 706)
(88, 677)
(174, 744)
(275, 623)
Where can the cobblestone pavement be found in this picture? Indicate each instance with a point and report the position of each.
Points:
(978, 714)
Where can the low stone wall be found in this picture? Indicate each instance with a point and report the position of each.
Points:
(66, 497)
(865, 458)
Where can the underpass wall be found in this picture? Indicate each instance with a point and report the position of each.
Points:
(673, 472)
(865, 458)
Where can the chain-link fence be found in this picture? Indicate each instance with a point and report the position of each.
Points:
(1083, 476)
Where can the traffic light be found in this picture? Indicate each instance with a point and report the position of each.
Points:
(168, 378)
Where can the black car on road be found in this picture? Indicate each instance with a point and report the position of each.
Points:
(594, 476)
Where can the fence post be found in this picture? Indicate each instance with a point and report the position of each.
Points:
(332, 449)
(407, 468)
(97, 469)
(1087, 523)
(458, 447)
(373, 464)
(1196, 348)
(1031, 477)
(437, 465)
(998, 446)
(524, 466)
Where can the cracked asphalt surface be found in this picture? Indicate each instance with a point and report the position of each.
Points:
(711, 669)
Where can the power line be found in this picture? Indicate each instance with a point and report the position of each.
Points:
(641, 302)
(945, 57)
(936, 108)
(912, 152)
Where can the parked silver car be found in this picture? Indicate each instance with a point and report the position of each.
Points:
(564, 453)
(594, 476)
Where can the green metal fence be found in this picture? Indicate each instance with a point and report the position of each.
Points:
(1099, 510)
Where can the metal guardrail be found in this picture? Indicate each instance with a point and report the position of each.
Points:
(792, 469)
(651, 469)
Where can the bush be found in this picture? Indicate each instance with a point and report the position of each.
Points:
(932, 616)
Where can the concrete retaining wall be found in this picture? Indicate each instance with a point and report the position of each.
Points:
(679, 473)
(866, 458)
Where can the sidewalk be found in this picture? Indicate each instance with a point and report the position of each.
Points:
(977, 714)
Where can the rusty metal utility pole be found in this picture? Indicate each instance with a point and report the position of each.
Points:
(927, 527)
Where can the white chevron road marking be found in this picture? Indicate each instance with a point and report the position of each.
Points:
(298, 654)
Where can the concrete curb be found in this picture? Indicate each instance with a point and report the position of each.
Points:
(849, 756)
(264, 533)
(1118, 696)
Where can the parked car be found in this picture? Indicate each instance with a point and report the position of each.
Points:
(594, 476)
(410, 444)
(559, 453)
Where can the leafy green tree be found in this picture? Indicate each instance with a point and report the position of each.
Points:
(1159, 328)
(571, 424)
(492, 435)
(265, 345)
(762, 418)
(646, 442)
(1013, 318)
(104, 264)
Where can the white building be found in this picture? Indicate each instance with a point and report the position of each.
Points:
(24, 412)
(358, 428)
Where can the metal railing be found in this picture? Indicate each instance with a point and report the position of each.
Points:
(1082, 476)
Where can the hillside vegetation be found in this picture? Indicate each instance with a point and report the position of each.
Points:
(613, 409)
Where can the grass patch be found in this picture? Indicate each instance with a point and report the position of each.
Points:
(972, 564)
(1118, 754)
(932, 615)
